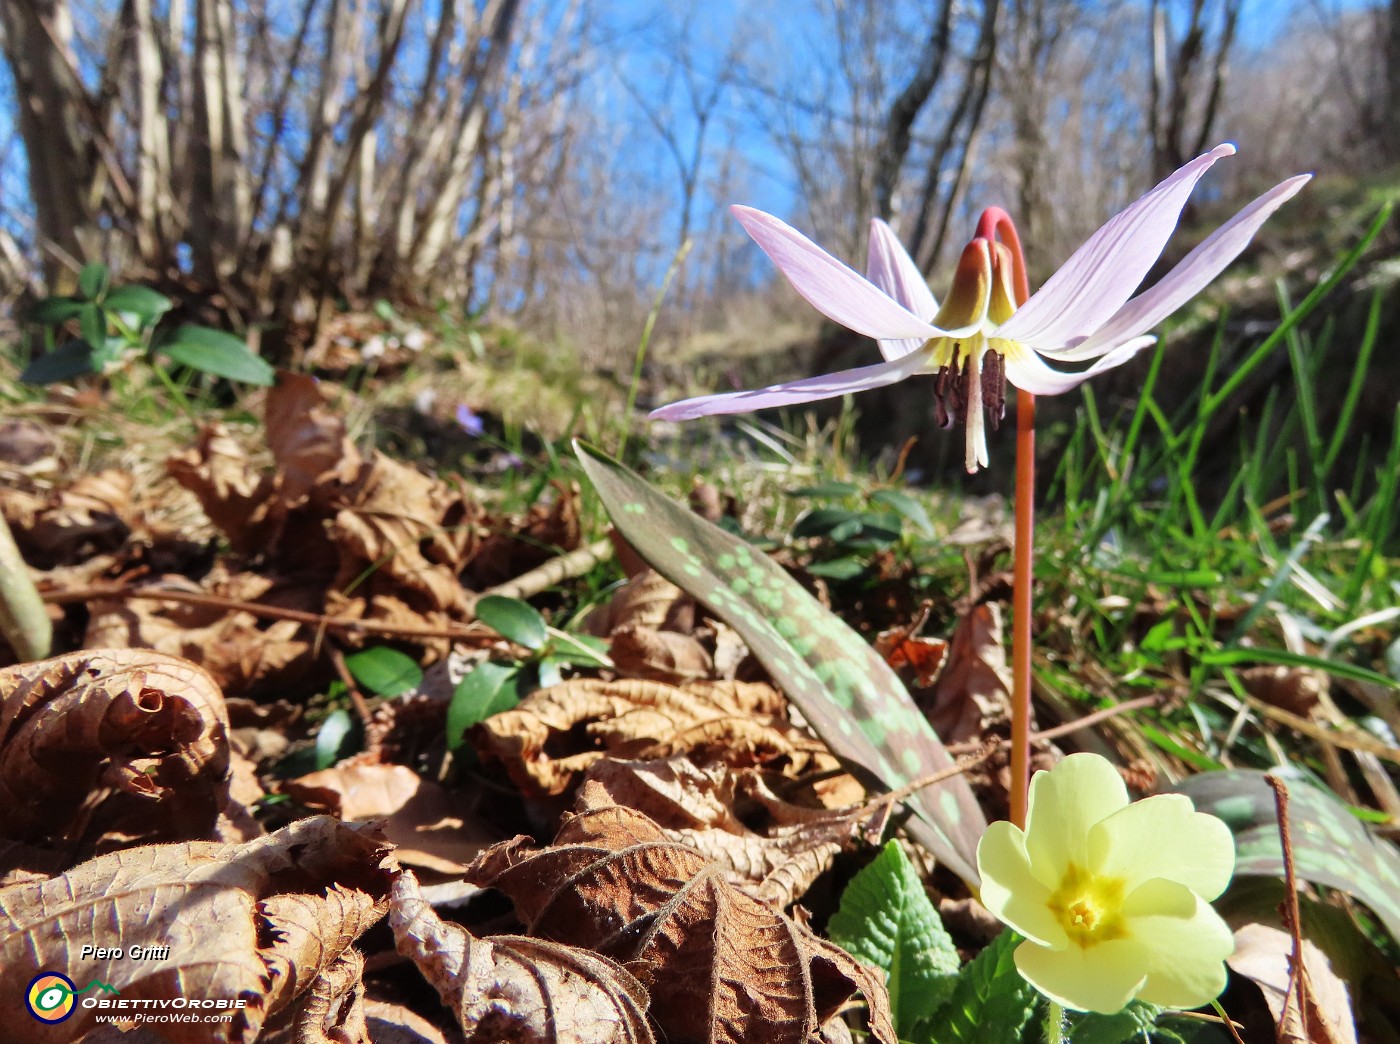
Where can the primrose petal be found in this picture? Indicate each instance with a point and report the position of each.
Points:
(1165, 837)
(1188, 943)
(1064, 804)
(1102, 978)
(1011, 891)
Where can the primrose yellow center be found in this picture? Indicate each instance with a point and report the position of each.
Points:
(1089, 907)
(980, 300)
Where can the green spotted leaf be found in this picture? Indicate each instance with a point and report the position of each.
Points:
(886, 919)
(842, 686)
(1330, 846)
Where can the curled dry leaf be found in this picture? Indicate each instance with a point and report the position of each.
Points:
(147, 730)
(394, 536)
(554, 735)
(430, 826)
(974, 688)
(258, 922)
(333, 1010)
(241, 651)
(1263, 954)
(92, 515)
(664, 656)
(647, 599)
(697, 808)
(721, 965)
(391, 1023)
(511, 988)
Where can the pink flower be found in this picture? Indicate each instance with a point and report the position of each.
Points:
(979, 337)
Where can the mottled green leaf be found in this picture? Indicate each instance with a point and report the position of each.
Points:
(843, 687)
(990, 1002)
(886, 919)
(68, 360)
(384, 671)
(1330, 846)
(513, 620)
(489, 689)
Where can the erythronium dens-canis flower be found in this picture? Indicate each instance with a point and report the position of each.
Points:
(978, 337)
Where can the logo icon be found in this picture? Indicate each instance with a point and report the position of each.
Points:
(50, 997)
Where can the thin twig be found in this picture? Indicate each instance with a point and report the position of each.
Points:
(556, 570)
(1292, 916)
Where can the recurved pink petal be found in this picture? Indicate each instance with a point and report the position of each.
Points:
(1101, 275)
(892, 269)
(1027, 371)
(811, 389)
(1186, 280)
(837, 291)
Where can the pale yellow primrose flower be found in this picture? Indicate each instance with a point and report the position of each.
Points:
(1112, 897)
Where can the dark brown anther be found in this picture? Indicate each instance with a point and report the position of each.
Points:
(994, 387)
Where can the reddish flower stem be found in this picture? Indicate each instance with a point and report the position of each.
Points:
(996, 221)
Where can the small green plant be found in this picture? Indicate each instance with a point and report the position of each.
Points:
(117, 325)
(498, 684)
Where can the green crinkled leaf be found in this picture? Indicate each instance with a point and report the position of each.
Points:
(886, 919)
(1330, 846)
(851, 697)
(1134, 1023)
(384, 671)
(990, 1001)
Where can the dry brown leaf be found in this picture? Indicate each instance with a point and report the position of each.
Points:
(240, 501)
(510, 988)
(403, 533)
(721, 965)
(696, 808)
(241, 651)
(151, 728)
(1263, 955)
(391, 1023)
(307, 439)
(555, 734)
(974, 688)
(257, 922)
(333, 1011)
(645, 600)
(1294, 689)
(430, 826)
(92, 515)
(911, 654)
(664, 656)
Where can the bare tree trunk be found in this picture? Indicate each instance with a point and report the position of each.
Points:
(219, 197)
(1177, 95)
(436, 228)
(1392, 84)
(154, 200)
(899, 123)
(62, 162)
